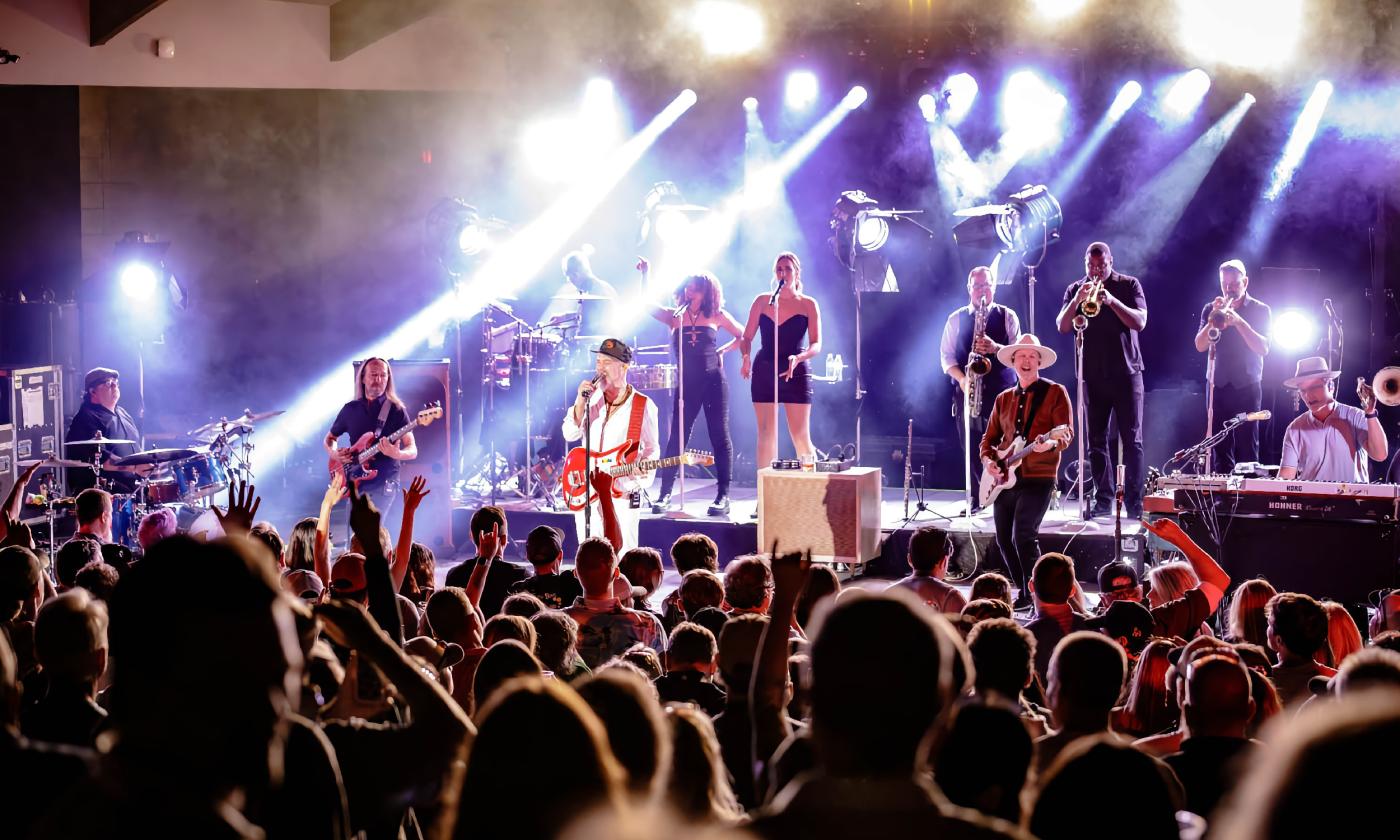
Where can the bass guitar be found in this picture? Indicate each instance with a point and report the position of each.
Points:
(1009, 459)
(580, 490)
(363, 450)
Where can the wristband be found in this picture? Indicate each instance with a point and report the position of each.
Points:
(1372, 415)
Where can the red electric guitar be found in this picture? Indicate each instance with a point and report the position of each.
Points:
(579, 490)
(357, 468)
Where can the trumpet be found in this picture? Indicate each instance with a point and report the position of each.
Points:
(1220, 310)
(1090, 306)
(1385, 384)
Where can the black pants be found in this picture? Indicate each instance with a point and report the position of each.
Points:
(1121, 399)
(979, 427)
(1243, 443)
(706, 390)
(1017, 512)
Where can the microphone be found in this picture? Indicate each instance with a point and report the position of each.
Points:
(773, 299)
(1251, 416)
(679, 311)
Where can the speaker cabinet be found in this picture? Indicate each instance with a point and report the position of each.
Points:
(418, 384)
(835, 515)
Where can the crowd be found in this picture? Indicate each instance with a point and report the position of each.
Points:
(251, 686)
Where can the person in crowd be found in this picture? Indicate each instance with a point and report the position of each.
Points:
(690, 668)
(21, 593)
(266, 534)
(421, 579)
(93, 509)
(70, 641)
(1086, 678)
(501, 627)
(73, 556)
(156, 526)
(1183, 596)
(984, 609)
(689, 552)
(983, 759)
(697, 787)
(738, 651)
(606, 626)
(526, 719)
(1118, 581)
(1367, 669)
(1149, 707)
(1343, 636)
(490, 536)
(700, 589)
(1247, 621)
(748, 585)
(714, 619)
(1074, 787)
(644, 659)
(452, 619)
(1217, 708)
(523, 605)
(301, 546)
(544, 548)
(502, 662)
(99, 579)
(822, 584)
(993, 585)
(1128, 623)
(930, 549)
(556, 637)
(636, 727)
(1052, 583)
(1003, 658)
(642, 568)
(1297, 633)
(1165, 743)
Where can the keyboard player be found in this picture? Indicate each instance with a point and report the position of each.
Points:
(1331, 441)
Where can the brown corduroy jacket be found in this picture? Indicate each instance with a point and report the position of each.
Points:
(1001, 427)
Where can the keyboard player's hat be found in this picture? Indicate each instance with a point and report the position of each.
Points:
(1313, 367)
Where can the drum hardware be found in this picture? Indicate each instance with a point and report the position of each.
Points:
(67, 463)
(153, 457)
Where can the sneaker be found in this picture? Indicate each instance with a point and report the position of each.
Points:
(720, 506)
(662, 504)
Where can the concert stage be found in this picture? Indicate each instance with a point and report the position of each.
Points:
(1089, 543)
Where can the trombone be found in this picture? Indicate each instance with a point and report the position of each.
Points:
(1385, 384)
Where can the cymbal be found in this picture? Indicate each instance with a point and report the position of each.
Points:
(652, 350)
(242, 422)
(154, 456)
(580, 296)
(56, 462)
(98, 441)
(246, 419)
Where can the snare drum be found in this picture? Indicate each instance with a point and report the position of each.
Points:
(163, 492)
(652, 377)
(199, 477)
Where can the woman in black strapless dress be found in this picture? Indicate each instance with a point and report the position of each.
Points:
(800, 320)
(695, 335)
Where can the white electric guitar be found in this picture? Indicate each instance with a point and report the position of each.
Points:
(1009, 460)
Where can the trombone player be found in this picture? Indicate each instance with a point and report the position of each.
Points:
(1114, 310)
(1237, 324)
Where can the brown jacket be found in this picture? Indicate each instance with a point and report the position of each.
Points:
(1001, 427)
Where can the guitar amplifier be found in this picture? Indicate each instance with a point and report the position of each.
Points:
(834, 515)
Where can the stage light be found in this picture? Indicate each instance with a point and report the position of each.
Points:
(671, 225)
(455, 232)
(1030, 218)
(856, 235)
(1253, 34)
(1130, 93)
(472, 240)
(1298, 141)
(872, 233)
(1294, 331)
(1186, 94)
(1057, 9)
(138, 281)
(801, 90)
(750, 104)
(1031, 110)
(928, 106)
(854, 98)
(561, 149)
(727, 28)
(959, 92)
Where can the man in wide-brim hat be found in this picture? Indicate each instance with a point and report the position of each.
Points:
(1332, 440)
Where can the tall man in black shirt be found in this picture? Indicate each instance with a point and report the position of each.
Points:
(100, 414)
(1112, 373)
(376, 408)
(1242, 341)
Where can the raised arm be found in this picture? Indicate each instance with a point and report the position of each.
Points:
(379, 588)
(14, 502)
(487, 549)
(768, 687)
(412, 498)
(1214, 580)
(321, 554)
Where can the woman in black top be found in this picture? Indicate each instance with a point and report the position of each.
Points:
(801, 320)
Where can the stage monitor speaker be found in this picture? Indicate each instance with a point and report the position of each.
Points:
(419, 383)
(834, 515)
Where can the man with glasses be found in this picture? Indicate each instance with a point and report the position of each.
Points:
(1331, 441)
(99, 414)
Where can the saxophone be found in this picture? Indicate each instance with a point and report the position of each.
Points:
(978, 365)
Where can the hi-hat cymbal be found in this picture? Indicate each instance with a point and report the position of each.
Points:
(154, 456)
(56, 462)
(579, 296)
(98, 441)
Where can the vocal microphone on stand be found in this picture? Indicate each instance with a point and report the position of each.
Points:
(774, 297)
(1252, 416)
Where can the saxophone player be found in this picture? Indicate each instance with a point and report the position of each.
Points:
(1238, 325)
(964, 346)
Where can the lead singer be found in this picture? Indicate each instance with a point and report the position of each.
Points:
(1112, 372)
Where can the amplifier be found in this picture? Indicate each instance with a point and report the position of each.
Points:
(834, 515)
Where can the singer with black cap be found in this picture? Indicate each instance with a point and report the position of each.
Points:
(1238, 325)
(1331, 441)
(613, 412)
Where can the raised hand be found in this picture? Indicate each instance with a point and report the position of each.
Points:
(243, 503)
(489, 542)
(364, 518)
(335, 491)
(413, 495)
(790, 571)
(17, 533)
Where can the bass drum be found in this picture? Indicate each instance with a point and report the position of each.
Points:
(197, 522)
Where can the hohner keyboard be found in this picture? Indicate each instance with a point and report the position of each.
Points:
(1284, 499)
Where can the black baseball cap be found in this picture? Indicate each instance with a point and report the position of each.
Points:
(97, 376)
(616, 349)
(1117, 575)
(1128, 619)
(543, 544)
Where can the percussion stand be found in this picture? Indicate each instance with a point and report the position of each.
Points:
(1210, 400)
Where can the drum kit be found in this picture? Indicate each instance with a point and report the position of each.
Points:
(184, 480)
(519, 356)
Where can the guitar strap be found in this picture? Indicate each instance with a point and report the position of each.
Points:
(1023, 431)
(634, 423)
(383, 417)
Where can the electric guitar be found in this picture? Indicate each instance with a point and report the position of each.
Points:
(1009, 459)
(580, 490)
(357, 468)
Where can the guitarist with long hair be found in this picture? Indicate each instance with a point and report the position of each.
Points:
(617, 415)
(376, 408)
(1035, 414)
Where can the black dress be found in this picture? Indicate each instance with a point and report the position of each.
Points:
(705, 387)
(792, 337)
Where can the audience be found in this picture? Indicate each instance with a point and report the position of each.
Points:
(1247, 622)
(992, 585)
(626, 703)
(1343, 636)
(700, 589)
(1052, 583)
(983, 760)
(689, 552)
(698, 785)
(1297, 634)
(606, 627)
(642, 568)
(556, 644)
(1149, 707)
(930, 549)
(690, 667)
(748, 586)
(70, 641)
(490, 537)
(1086, 679)
(1217, 709)
(822, 583)
(1101, 788)
(544, 548)
(1003, 657)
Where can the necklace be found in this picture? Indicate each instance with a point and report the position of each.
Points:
(694, 320)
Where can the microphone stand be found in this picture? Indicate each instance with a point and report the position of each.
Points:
(588, 463)
(1210, 397)
(680, 409)
(1194, 452)
(1081, 324)
(773, 301)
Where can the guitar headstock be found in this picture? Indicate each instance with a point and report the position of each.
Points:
(432, 412)
(696, 458)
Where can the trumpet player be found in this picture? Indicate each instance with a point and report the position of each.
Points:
(963, 345)
(1112, 310)
(1238, 325)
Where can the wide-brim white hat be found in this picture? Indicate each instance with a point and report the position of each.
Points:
(1313, 367)
(1027, 341)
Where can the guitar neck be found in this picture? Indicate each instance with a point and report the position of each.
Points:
(645, 466)
(394, 438)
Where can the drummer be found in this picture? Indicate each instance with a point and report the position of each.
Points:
(99, 414)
